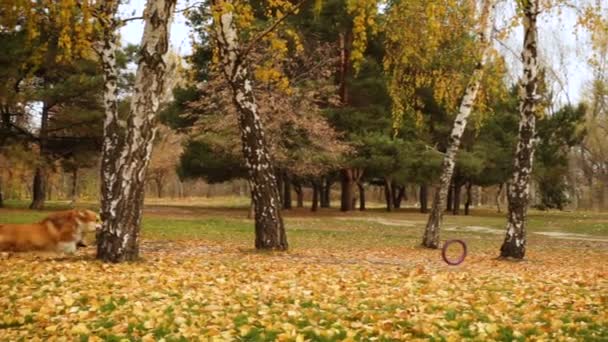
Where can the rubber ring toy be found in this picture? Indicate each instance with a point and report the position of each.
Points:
(445, 249)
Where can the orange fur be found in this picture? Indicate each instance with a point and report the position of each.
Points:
(60, 231)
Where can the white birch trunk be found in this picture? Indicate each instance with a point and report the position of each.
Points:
(518, 193)
(269, 228)
(431, 232)
(128, 144)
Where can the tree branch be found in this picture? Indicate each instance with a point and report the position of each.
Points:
(189, 7)
(509, 49)
(24, 132)
(126, 20)
(75, 124)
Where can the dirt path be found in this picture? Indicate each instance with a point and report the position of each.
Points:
(551, 234)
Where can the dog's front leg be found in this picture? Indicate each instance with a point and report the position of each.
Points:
(67, 247)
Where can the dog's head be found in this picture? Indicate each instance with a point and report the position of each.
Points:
(70, 225)
(88, 221)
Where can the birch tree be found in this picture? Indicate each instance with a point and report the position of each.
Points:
(232, 23)
(128, 143)
(518, 194)
(269, 227)
(431, 232)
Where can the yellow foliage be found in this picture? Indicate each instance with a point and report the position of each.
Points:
(275, 46)
(335, 288)
(364, 14)
(429, 45)
(70, 20)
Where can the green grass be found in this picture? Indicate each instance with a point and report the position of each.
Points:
(329, 228)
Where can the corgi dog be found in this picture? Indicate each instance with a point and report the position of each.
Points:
(61, 232)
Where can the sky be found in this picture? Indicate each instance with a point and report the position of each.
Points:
(562, 50)
(132, 32)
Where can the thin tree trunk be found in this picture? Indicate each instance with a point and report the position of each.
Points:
(128, 145)
(38, 189)
(316, 194)
(269, 227)
(456, 198)
(388, 193)
(431, 233)
(450, 199)
(498, 194)
(591, 204)
(398, 194)
(287, 192)
(297, 186)
(518, 194)
(346, 186)
(345, 41)
(424, 198)
(361, 187)
(159, 186)
(40, 180)
(180, 189)
(326, 193)
(469, 201)
(74, 190)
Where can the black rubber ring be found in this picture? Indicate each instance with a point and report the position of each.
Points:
(445, 248)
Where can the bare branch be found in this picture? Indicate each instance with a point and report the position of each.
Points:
(508, 48)
(185, 9)
(124, 21)
(196, 4)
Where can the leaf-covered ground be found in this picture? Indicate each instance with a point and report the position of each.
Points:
(356, 277)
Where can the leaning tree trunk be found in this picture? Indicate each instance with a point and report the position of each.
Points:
(128, 145)
(518, 191)
(431, 233)
(269, 228)
(40, 179)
